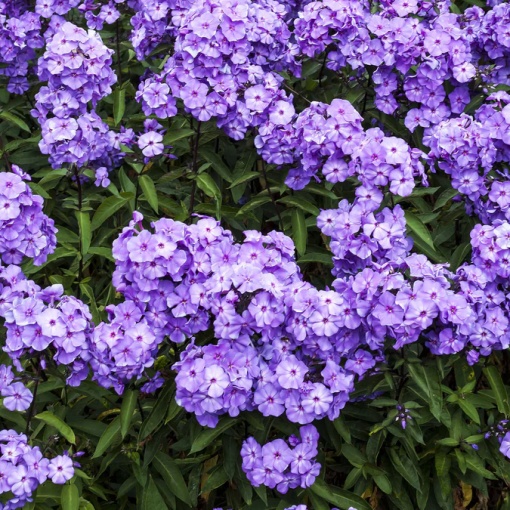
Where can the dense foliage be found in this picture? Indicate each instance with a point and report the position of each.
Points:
(255, 254)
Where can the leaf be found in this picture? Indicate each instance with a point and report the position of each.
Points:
(206, 437)
(119, 104)
(383, 482)
(301, 204)
(167, 468)
(253, 204)
(405, 467)
(428, 383)
(299, 231)
(353, 455)
(444, 198)
(151, 498)
(448, 441)
(342, 429)
(107, 438)
(469, 409)
(14, 119)
(16, 144)
(126, 411)
(70, 498)
(459, 255)
(108, 208)
(149, 191)
(173, 135)
(101, 252)
(248, 176)
(217, 163)
(159, 411)
(208, 185)
(218, 477)
(338, 497)
(54, 421)
(442, 463)
(84, 229)
(500, 393)
(419, 230)
(475, 464)
(422, 247)
(320, 258)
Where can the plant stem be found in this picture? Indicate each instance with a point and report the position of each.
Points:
(31, 410)
(117, 43)
(262, 166)
(194, 168)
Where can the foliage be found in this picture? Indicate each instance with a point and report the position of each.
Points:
(271, 123)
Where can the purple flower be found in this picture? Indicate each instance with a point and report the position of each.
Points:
(60, 469)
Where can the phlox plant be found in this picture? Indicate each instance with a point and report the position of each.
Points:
(255, 254)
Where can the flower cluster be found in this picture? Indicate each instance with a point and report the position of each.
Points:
(39, 319)
(76, 66)
(187, 279)
(25, 231)
(330, 138)
(470, 149)
(122, 349)
(16, 396)
(409, 51)
(23, 468)
(19, 39)
(223, 51)
(283, 465)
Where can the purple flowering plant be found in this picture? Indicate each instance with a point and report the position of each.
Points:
(255, 254)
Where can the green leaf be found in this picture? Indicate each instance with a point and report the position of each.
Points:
(119, 105)
(419, 230)
(299, 231)
(342, 429)
(444, 198)
(217, 163)
(338, 497)
(70, 498)
(383, 482)
(16, 144)
(173, 135)
(159, 411)
(167, 468)
(461, 460)
(217, 478)
(109, 436)
(149, 191)
(207, 436)
(448, 441)
(253, 204)
(301, 204)
(353, 455)
(101, 252)
(405, 467)
(475, 464)
(85, 231)
(428, 382)
(208, 185)
(14, 119)
(319, 258)
(126, 411)
(54, 421)
(442, 463)
(108, 208)
(500, 393)
(459, 255)
(151, 498)
(248, 176)
(469, 409)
